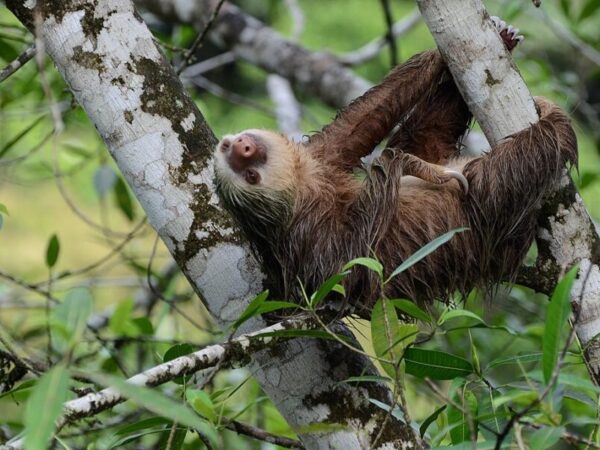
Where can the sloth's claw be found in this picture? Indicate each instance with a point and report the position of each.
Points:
(510, 35)
(460, 178)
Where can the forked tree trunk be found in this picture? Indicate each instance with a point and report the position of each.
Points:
(502, 104)
(163, 147)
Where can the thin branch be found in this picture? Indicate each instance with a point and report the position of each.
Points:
(208, 64)
(17, 63)
(234, 352)
(262, 435)
(389, 36)
(189, 55)
(374, 48)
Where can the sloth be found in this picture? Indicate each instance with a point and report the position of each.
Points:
(307, 212)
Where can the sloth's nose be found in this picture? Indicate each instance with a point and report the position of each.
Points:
(243, 147)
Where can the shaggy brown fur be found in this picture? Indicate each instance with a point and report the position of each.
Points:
(313, 215)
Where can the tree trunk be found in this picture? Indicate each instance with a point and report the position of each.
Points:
(502, 104)
(163, 147)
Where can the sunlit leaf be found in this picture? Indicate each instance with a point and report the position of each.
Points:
(425, 251)
(389, 336)
(557, 316)
(44, 407)
(369, 263)
(202, 403)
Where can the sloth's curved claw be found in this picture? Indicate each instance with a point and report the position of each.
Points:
(460, 178)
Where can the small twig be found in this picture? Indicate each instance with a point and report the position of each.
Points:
(297, 18)
(389, 21)
(208, 64)
(17, 63)
(262, 435)
(200, 38)
(373, 48)
(232, 97)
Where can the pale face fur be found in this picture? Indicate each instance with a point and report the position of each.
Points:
(276, 174)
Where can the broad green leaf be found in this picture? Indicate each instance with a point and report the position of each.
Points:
(202, 404)
(52, 251)
(175, 352)
(156, 402)
(486, 445)
(172, 440)
(518, 397)
(409, 308)
(369, 263)
(104, 180)
(326, 288)
(44, 407)
(144, 326)
(436, 365)
(71, 316)
(432, 418)
(143, 424)
(461, 432)
(557, 316)
(545, 438)
(123, 199)
(424, 251)
(455, 313)
(8, 52)
(3, 209)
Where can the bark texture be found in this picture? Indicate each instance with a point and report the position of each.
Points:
(502, 104)
(163, 147)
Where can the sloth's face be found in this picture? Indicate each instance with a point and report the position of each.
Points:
(256, 159)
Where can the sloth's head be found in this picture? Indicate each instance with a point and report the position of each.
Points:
(255, 173)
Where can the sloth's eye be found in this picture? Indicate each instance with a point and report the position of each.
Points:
(252, 176)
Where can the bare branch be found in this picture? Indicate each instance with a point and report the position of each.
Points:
(19, 62)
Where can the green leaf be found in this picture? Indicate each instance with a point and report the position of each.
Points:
(432, 418)
(8, 52)
(455, 313)
(202, 404)
(123, 199)
(175, 352)
(389, 336)
(369, 263)
(52, 251)
(590, 8)
(557, 316)
(518, 359)
(120, 320)
(71, 316)
(326, 288)
(436, 365)
(396, 411)
(3, 209)
(408, 307)
(545, 438)
(461, 432)
(44, 407)
(424, 251)
(156, 402)
(367, 379)
(10, 144)
(251, 309)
